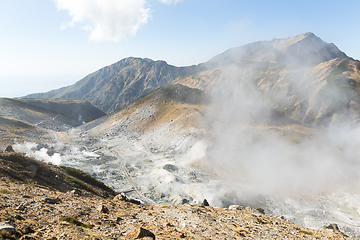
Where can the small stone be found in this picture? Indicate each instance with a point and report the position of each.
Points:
(5, 226)
(167, 224)
(205, 203)
(262, 211)
(332, 226)
(52, 200)
(184, 201)
(120, 197)
(9, 149)
(235, 207)
(21, 207)
(139, 233)
(75, 192)
(171, 168)
(103, 209)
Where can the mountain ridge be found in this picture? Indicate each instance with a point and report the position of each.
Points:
(121, 83)
(289, 62)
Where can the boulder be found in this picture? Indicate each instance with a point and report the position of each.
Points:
(52, 200)
(205, 203)
(5, 226)
(103, 209)
(9, 149)
(235, 207)
(120, 197)
(171, 168)
(75, 192)
(332, 226)
(140, 233)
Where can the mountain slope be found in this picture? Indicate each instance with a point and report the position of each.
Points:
(121, 83)
(55, 114)
(34, 120)
(304, 78)
(80, 110)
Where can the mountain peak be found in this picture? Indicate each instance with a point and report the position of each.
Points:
(309, 48)
(284, 43)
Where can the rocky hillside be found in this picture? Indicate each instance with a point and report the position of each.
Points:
(78, 109)
(38, 119)
(121, 83)
(11, 129)
(47, 112)
(43, 201)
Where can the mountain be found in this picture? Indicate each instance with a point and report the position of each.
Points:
(308, 48)
(303, 49)
(80, 110)
(121, 83)
(273, 125)
(271, 68)
(34, 119)
(304, 78)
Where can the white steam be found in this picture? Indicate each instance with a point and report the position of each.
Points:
(247, 148)
(31, 150)
(69, 154)
(108, 20)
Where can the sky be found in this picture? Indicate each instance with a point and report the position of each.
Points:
(48, 44)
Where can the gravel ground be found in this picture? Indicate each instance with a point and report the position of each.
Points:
(38, 213)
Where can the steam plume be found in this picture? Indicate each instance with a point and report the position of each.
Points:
(252, 149)
(31, 150)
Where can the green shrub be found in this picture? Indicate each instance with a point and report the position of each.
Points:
(87, 178)
(75, 222)
(19, 158)
(4, 191)
(306, 232)
(79, 184)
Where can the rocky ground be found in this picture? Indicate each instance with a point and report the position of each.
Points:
(34, 207)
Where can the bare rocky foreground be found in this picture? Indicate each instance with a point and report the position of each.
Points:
(33, 209)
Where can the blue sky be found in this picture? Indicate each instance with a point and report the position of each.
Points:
(47, 44)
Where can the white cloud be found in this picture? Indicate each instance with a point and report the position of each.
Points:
(108, 20)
